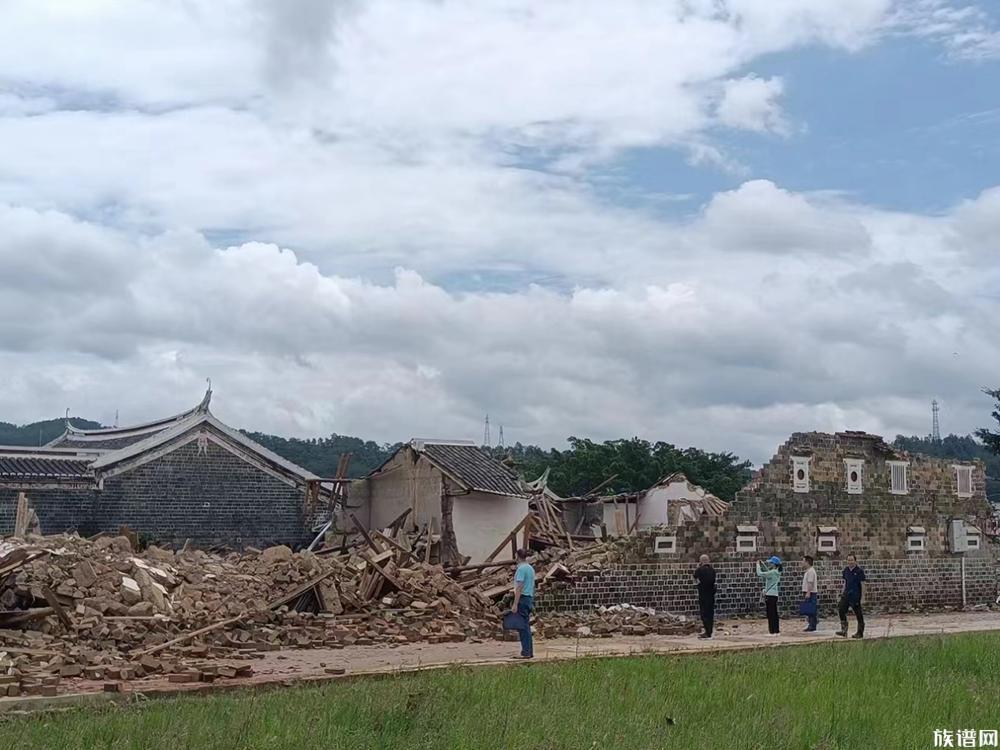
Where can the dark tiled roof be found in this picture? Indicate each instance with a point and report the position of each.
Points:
(109, 444)
(43, 467)
(474, 468)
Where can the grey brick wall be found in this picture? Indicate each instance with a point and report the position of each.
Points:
(893, 585)
(58, 510)
(213, 498)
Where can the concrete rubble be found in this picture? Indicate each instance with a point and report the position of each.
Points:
(73, 608)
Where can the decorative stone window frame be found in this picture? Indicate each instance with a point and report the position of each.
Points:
(827, 539)
(899, 479)
(800, 474)
(973, 539)
(746, 538)
(916, 539)
(665, 545)
(963, 471)
(854, 474)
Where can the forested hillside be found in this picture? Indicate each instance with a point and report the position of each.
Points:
(634, 463)
(961, 448)
(39, 433)
(320, 455)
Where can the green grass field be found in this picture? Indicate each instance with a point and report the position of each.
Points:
(875, 694)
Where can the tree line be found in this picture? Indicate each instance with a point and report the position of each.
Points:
(631, 464)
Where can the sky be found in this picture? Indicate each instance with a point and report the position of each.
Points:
(708, 222)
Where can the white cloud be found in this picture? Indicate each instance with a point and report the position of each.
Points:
(751, 103)
(679, 353)
(379, 218)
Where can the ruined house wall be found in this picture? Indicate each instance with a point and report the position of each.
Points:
(872, 523)
(407, 480)
(481, 520)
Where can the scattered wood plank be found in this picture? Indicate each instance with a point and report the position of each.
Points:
(57, 607)
(507, 539)
(364, 533)
(479, 566)
(194, 634)
(22, 517)
(11, 618)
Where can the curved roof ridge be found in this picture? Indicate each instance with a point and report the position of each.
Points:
(106, 433)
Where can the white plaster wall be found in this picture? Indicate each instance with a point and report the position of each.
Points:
(609, 516)
(403, 484)
(482, 520)
(655, 505)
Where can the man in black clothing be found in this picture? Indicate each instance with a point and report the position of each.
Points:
(854, 575)
(705, 576)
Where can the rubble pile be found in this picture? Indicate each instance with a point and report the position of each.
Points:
(99, 609)
(621, 619)
(70, 607)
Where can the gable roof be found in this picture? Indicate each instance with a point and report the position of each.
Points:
(464, 463)
(97, 452)
(39, 464)
(192, 421)
(113, 438)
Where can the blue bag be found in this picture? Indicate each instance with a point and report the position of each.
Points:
(514, 621)
(809, 606)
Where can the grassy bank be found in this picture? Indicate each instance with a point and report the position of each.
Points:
(884, 694)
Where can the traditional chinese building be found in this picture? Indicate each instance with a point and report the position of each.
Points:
(185, 477)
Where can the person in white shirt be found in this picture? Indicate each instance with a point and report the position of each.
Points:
(810, 595)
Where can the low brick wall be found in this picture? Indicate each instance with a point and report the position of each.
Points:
(893, 585)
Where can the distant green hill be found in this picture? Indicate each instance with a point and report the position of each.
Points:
(961, 448)
(40, 433)
(321, 455)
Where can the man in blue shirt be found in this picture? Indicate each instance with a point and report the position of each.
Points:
(854, 575)
(524, 601)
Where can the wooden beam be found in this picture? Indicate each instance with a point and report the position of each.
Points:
(17, 616)
(507, 538)
(397, 522)
(300, 590)
(194, 634)
(364, 533)
(479, 566)
(378, 569)
(21, 517)
(407, 554)
(50, 597)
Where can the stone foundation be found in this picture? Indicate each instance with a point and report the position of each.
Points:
(893, 585)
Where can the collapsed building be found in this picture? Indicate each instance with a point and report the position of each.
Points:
(184, 478)
(462, 495)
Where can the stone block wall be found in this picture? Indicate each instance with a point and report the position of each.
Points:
(212, 498)
(893, 585)
(58, 510)
(872, 523)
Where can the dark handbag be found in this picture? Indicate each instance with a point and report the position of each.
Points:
(514, 621)
(808, 606)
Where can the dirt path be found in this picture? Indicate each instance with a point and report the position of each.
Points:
(313, 665)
